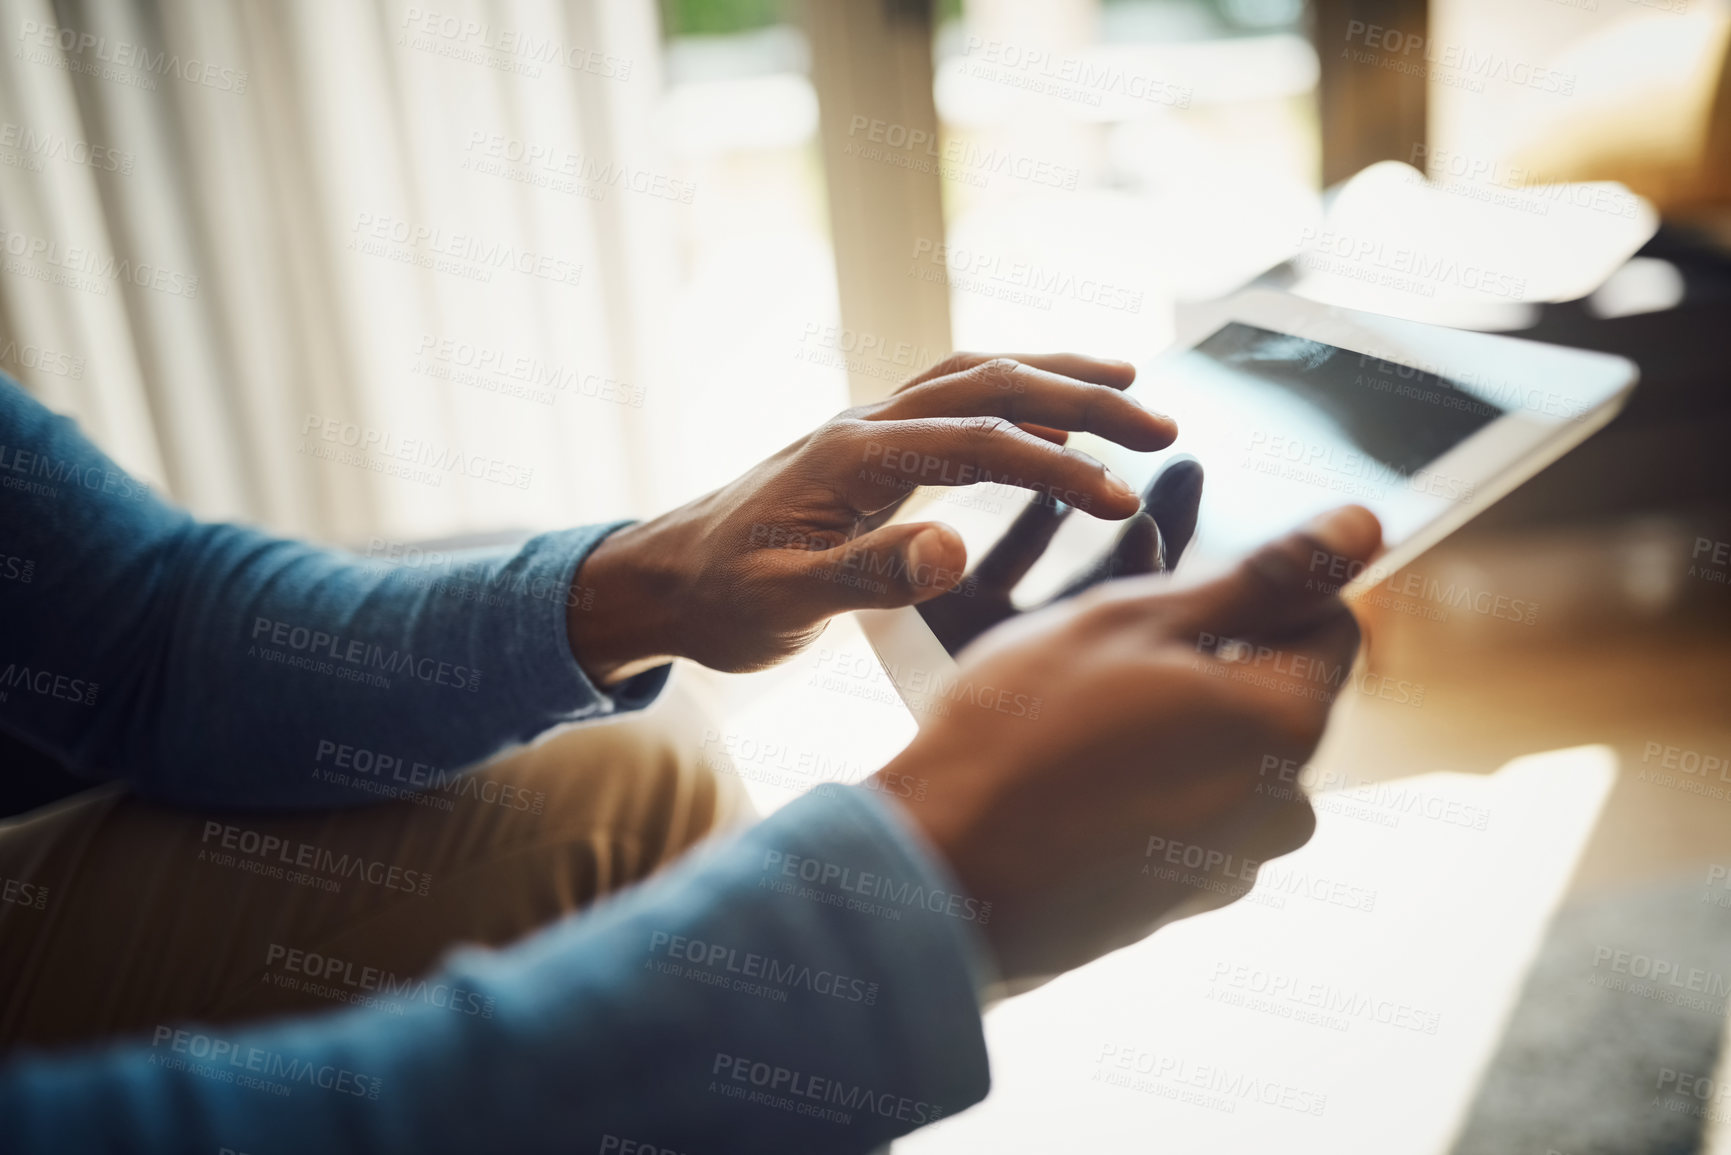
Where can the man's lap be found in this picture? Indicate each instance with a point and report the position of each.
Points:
(123, 915)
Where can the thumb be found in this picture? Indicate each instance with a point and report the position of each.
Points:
(896, 565)
(1288, 581)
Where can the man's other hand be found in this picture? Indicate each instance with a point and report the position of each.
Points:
(1127, 783)
(750, 574)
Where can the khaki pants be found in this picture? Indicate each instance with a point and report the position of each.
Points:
(120, 915)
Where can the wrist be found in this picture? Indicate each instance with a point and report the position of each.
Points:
(940, 812)
(620, 617)
(936, 820)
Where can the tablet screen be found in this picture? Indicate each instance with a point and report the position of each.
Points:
(1285, 427)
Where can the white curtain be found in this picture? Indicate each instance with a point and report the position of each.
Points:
(345, 268)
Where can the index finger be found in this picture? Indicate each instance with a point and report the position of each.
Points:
(1094, 370)
(896, 456)
(1027, 395)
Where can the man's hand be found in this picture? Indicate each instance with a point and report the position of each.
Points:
(1153, 714)
(750, 574)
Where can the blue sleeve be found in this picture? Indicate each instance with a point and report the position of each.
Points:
(811, 986)
(213, 665)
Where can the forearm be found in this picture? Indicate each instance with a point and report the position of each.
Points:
(383, 672)
(215, 665)
(730, 1005)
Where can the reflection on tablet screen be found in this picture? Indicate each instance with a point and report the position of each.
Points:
(1285, 428)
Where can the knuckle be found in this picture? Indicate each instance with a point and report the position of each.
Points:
(1316, 556)
(1277, 565)
(989, 427)
(1097, 401)
(838, 436)
(1109, 609)
(954, 363)
(997, 373)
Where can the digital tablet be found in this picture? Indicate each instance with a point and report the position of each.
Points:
(1294, 407)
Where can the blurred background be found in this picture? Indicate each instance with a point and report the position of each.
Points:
(399, 277)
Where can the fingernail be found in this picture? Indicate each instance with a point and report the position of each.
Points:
(1118, 483)
(1146, 408)
(924, 551)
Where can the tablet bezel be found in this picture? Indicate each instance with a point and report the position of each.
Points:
(1495, 459)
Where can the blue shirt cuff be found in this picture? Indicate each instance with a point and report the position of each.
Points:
(551, 562)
